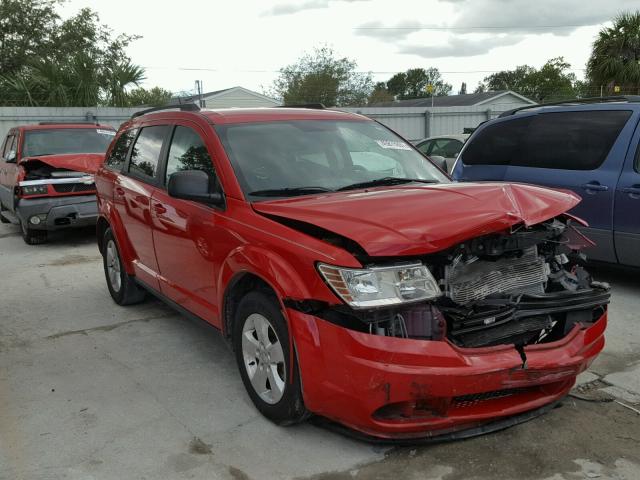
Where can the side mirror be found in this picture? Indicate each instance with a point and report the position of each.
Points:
(194, 185)
(11, 157)
(439, 161)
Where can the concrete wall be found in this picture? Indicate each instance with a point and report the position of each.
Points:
(415, 123)
(13, 116)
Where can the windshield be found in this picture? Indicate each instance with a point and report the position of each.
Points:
(310, 156)
(66, 140)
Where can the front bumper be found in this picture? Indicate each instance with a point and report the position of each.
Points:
(61, 212)
(394, 388)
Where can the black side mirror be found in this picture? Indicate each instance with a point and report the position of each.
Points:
(11, 157)
(194, 185)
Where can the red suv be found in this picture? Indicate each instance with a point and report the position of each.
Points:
(353, 278)
(46, 176)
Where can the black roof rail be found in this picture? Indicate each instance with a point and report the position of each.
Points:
(579, 101)
(68, 122)
(184, 107)
(314, 106)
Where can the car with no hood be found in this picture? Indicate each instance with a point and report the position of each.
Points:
(354, 280)
(46, 176)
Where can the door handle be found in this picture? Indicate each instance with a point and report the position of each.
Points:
(594, 186)
(159, 208)
(632, 191)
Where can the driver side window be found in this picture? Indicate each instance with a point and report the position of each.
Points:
(188, 152)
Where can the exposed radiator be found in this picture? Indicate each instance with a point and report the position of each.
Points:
(475, 280)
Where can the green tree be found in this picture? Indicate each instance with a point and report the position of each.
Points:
(615, 58)
(553, 81)
(380, 94)
(72, 62)
(321, 77)
(414, 82)
(153, 97)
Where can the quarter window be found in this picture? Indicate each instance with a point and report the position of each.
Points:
(146, 151)
(559, 140)
(119, 152)
(188, 152)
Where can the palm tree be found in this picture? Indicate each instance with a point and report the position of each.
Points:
(615, 59)
(117, 78)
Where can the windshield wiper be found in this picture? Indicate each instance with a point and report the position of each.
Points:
(289, 191)
(385, 181)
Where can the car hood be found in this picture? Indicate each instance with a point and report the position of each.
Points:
(79, 162)
(416, 220)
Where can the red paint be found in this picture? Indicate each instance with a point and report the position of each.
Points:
(192, 253)
(78, 162)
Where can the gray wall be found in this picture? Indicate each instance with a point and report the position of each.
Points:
(415, 123)
(12, 116)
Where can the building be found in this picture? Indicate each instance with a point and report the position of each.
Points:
(452, 114)
(231, 97)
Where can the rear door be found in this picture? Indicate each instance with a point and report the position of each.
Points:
(627, 208)
(132, 195)
(580, 150)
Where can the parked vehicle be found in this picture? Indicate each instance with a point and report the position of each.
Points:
(353, 278)
(445, 146)
(46, 176)
(589, 146)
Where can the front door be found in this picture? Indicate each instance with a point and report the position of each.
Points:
(184, 232)
(8, 170)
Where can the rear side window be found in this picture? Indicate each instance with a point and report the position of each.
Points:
(146, 151)
(188, 152)
(559, 140)
(119, 151)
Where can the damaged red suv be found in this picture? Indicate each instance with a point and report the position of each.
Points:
(46, 176)
(353, 278)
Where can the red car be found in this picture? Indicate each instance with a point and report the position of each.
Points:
(46, 176)
(353, 278)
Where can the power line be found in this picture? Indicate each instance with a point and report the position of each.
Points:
(476, 27)
(218, 70)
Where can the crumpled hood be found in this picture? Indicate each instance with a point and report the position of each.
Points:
(79, 162)
(416, 220)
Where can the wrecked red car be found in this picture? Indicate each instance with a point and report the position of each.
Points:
(355, 281)
(46, 176)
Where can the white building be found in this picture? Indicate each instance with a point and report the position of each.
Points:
(232, 97)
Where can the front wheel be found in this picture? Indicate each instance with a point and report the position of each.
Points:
(31, 236)
(261, 344)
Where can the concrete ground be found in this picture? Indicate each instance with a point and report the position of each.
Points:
(90, 390)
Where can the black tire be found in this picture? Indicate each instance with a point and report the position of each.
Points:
(290, 408)
(2, 217)
(127, 292)
(31, 236)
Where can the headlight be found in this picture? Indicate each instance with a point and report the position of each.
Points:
(34, 190)
(381, 286)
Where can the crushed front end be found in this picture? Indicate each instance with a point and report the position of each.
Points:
(50, 197)
(510, 321)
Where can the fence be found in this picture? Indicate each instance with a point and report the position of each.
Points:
(415, 123)
(13, 116)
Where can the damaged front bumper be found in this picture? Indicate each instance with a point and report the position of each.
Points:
(58, 212)
(399, 388)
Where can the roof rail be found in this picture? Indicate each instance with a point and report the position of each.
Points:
(69, 122)
(579, 101)
(184, 107)
(314, 106)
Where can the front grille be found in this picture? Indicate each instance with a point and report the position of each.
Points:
(465, 401)
(74, 187)
(475, 280)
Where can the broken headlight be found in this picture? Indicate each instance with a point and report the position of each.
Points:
(34, 190)
(381, 286)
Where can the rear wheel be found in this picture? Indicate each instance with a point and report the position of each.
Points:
(31, 236)
(261, 344)
(122, 287)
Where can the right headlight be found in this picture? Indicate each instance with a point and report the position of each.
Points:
(381, 286)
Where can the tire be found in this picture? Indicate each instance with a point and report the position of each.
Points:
(31, 236)
(2, 217)
(261, 345)
(122, 287)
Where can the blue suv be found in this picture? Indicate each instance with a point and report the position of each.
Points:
(590, 146)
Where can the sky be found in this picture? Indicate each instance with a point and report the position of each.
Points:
(245, 42)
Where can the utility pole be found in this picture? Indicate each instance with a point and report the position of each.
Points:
(199, 93)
